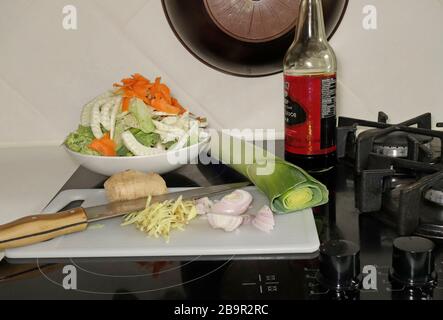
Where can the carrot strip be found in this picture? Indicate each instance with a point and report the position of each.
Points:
(105, 146)
(177, 104)
(125, 104)
(156, 94)
(163, 106)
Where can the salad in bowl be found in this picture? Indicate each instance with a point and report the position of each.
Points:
(138, 119)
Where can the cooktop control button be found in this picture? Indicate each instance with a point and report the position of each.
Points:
(339, 265)
(264, 279)
(413, 262)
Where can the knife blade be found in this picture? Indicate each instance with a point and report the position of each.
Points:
(38, 228)
(116, 209)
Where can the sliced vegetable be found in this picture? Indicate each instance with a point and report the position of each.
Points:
(225, 222)
(135, 87)
(247, 219)
(118, 131)
(193, 132)
(202, 122)
(169, 145)
(143, 115)
(87, 109)
(116, 108)
(160, 113)
(173, 129)
(177, 104)
(130, 121)
(161, 104)
(184, 121)
(147, 139)
(168, 138)
(235, 203)
(160, 146)
(169, 128)
(161, 90)
(162, 99)
(105, 146)
(159, 219)
(125, 104)
(122, 151)
(95, 121)
(170, 134)
(203, 205)
(105, 114)
(288, 187)
(264, 220)
(79, 141)
(170, 120)
(132, 106)
(136, 147)
(85, 118)
(181, 143)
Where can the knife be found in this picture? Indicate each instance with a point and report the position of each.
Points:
(39, 228)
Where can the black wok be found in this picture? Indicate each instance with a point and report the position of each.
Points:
(242, 37)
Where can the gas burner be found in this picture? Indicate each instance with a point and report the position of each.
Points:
(400, 139)
(398, 171)
(410, 140)
(435, 196)
(396, 144)
(391, 151)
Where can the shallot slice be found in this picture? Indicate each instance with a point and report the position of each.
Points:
(247, 219)
(235, 204)
(225, 222)
(264, 220)
(203, 205)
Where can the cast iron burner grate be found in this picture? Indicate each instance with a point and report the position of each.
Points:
(398, 171)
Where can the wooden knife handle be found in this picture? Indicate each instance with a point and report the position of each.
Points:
(39, 228)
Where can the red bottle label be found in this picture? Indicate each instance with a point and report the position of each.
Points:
(310, 114)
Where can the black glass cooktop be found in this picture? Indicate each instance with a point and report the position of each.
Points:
(245, 277)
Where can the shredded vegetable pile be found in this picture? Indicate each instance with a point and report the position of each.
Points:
(159, 219)
(137, 118)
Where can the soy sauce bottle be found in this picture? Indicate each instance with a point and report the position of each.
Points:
(310, 69)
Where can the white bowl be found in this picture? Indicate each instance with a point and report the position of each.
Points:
(161, 163)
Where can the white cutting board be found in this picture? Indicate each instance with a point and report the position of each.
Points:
(293, 234)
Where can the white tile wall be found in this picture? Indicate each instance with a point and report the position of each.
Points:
(47, 73)
(396, 68)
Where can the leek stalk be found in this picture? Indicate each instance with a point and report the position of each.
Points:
(288, 187)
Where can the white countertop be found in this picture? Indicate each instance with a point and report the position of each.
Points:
(30, 177)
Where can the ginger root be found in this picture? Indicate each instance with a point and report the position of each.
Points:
(130, 185)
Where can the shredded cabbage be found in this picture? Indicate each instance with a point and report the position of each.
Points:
(158, 131)
(78, 141)
(143, 115)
